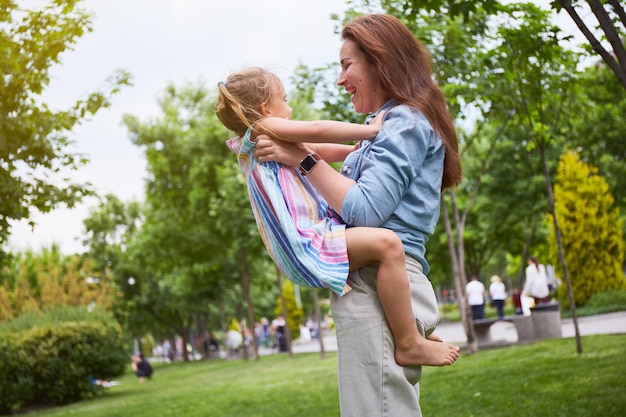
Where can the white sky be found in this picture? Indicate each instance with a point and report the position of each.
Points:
(163, 41)
(158, 42)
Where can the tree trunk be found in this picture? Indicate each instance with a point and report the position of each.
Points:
(283, 309)
(184, 334)
(559, 244)
(522, 267)
(245, 289)
(457, 256)
(318, 320)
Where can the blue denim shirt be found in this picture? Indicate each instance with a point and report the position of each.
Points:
(398, 179)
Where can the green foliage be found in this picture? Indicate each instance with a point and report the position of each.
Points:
(47, 279)
(51, 316)
(613, 300)
(197, 224)
(34, 140)
(591, 231)
(16, 382)
(598, 131)
(295, 315)
(52, 356)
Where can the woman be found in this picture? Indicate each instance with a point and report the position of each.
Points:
(497, 291)
(394, 181)
(536, 284)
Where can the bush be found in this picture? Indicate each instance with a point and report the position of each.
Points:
(16, 382)
(613, 300)
(67, 355)
(53, 363)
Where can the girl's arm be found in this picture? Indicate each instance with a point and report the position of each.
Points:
(330, 183)
(318, 131)
(331, 152)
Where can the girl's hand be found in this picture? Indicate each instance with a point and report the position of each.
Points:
(288, 153)
(377, 121)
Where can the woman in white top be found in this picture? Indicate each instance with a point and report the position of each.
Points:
(536, 282)
(497, 291)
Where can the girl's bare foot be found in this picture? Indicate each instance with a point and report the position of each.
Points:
(427, 352)
(434, 338)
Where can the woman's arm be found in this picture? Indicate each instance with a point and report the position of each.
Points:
(318, 131)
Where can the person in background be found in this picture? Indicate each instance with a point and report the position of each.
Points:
(475, 294)
(394, 181)
(536, 285)
(141, 367)
(497, 292)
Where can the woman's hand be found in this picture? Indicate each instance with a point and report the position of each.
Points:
(288, 153)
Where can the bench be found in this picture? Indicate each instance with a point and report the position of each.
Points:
(523, 326)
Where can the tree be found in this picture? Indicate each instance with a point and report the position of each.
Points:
(34, 139)
(592, 235)
(295, 314)
(598, 131)
(609, 15)
(44, 280)
(176, 253)
(108, 232)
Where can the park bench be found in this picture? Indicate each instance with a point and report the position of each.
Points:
(543, 323)
(523, 326)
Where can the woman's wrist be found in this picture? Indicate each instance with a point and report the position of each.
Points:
(307, 163)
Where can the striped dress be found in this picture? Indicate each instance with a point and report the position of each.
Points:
(297, 227)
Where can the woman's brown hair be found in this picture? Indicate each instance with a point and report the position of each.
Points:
(403, 65)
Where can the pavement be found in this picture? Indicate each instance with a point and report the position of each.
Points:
(600, 324)
(611, 323)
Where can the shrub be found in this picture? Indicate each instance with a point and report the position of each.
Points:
(16, 382)
(610, 300)
(66, 355)
(53, 362)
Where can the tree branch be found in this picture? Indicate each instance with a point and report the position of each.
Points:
(609, 29)
(595, 44)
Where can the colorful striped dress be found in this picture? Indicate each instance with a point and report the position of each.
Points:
(297, 227)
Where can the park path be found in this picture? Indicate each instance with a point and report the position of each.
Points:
(502, 331)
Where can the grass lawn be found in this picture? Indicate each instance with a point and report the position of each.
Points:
(547, 378)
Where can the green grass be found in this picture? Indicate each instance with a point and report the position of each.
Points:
(547, 378)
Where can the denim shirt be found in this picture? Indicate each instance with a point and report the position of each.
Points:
(398, 179)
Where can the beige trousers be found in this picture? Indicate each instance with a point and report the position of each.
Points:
(371, 383)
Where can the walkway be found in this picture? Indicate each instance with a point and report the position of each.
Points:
(612, 323)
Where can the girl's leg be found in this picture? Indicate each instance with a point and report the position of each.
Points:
(368, 245)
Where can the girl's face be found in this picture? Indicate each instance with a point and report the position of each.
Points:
(277, 106)
(360, 79)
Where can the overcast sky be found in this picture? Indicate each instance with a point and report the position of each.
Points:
(158, 42)
(161, 42)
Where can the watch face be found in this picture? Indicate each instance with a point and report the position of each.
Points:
(308, 163)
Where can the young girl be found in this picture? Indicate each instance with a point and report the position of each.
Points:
(302, 234)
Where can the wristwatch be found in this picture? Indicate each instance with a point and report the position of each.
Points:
(308, 163)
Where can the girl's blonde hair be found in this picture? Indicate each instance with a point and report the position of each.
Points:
(241, 96)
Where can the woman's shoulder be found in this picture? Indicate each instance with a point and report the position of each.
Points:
(405, 117)
(405, 112)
